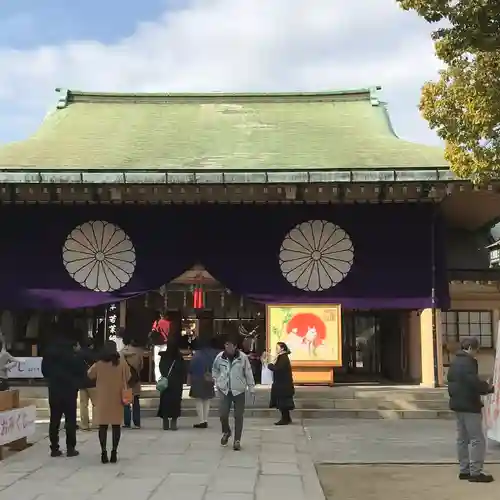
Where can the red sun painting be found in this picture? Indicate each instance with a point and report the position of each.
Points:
(308, 326)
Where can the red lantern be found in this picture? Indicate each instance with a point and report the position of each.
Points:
(198, 297)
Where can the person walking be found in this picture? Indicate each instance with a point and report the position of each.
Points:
(233, 375)
(282, 389)
(65, 374)
(465, 389)
(172, 373)
(6, 362)
(201, 381)
(88, 391)
(111, 373)
(134, 357)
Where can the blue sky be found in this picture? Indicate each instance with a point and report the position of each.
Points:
(27, 24)
(210, 45)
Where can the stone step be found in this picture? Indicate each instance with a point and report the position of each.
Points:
(320, 404)
(396, 393)
(305, 414)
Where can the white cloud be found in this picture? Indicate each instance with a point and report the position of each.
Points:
(237, 45)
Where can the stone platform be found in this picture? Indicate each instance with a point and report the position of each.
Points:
(365, 402)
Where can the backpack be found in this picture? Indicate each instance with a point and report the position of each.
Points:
(134, 375)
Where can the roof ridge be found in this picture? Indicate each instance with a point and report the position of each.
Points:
(67, 97)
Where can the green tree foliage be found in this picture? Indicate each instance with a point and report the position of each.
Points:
(464, 105)
(465, 25)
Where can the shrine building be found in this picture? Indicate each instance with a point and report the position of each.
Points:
(122, 204)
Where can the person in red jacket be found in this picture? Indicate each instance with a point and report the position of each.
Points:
(161, 329)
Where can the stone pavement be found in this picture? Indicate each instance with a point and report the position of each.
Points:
(275, 462)
(185, 465)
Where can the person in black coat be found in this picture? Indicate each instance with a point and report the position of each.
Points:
(465, 389)
(282, 390)
(65, 373)
(172, 367)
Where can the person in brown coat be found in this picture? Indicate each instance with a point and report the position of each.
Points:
(134, 356)
(111, 374)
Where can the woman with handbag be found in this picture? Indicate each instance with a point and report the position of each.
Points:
(201, 380)
(170, 385)
(111, 374)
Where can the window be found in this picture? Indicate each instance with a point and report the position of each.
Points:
(457, 325)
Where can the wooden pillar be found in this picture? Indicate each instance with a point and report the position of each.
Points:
(431, 354)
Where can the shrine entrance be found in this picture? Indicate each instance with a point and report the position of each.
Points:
(375, 346)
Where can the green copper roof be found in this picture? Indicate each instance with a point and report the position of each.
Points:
(330, 130)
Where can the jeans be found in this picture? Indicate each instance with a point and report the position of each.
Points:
(132, 414)
(62, 403)
(470, 432)
(225, 404)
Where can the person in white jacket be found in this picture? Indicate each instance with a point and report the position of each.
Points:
(232, 374)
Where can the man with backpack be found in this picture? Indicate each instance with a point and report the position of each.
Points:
(134, 357)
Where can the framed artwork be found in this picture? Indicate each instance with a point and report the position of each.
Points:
(313, 333)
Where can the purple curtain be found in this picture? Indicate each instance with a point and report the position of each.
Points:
(362, 256)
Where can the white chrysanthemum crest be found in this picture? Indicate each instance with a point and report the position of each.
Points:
(316, 255)
(99, 256)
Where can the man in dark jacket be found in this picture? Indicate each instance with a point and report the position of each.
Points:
(465, 389)
(65, 374)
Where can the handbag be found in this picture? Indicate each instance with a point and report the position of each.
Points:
(127, 392)
(127, 396)
(162, 384)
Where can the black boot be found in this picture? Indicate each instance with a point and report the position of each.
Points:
(166, 424)
(103, 439)
(173, 425)
(116, 435)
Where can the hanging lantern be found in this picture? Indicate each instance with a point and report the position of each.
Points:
(198, 298)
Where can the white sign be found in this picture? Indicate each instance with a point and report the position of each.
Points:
(26, 368)
(492, 404)
(17, 424)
